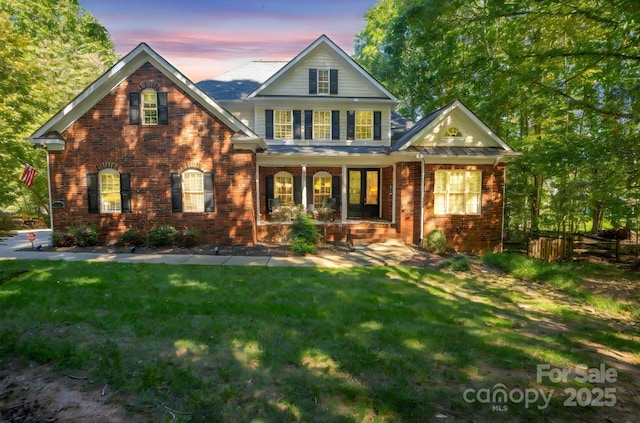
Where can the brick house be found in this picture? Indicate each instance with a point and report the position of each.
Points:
(143, 145)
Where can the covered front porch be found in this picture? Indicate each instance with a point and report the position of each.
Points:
(354, 231)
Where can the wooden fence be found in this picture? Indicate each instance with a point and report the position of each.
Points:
(551, 249)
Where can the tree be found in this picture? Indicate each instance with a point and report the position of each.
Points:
(52, 49)
(556, 80)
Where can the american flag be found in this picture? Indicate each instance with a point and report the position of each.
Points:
(28, 174)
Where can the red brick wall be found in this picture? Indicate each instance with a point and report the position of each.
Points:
(386, 196)
(150, 153)
(470, 233)
(408, 201)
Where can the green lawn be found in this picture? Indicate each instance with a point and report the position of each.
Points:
(305, 344)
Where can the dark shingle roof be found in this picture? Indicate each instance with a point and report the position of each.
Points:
(238, 83)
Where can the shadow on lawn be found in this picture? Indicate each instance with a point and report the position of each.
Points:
(289, 344)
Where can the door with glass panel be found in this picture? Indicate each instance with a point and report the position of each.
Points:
(363, 193)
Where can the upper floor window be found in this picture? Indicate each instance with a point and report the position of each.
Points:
(283, 124)
(323, 81)
(321, 124)
(364, 125)
(457, 192)
(192, 191)
(283, 187)
(109, 191)
(148, 107)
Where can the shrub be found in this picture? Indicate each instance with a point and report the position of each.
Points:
(85, 235)
(131, 238)
(436, 241)
(459, 263)
(159, 236)
(189, 238)
(304, 235)
(327, 210)
(59, 239)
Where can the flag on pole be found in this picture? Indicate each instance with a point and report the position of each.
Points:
(28, 174)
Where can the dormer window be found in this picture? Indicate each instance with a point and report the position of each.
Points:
(323, 81)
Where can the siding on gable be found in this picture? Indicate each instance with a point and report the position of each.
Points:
(295, 82)
(474, 136)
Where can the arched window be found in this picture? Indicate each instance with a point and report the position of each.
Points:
(109, 189)
(283, 187)
(321, 188)
(453, 132)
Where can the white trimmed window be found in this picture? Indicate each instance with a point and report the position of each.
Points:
(283, 187)
(192, 191)
(323, 81)
(110, 200)
(321, 188)
(364, 125)
(149, 107)
(283, 124)
(321, 125)
(457, 192)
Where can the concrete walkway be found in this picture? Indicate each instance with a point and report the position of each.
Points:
(389, 253)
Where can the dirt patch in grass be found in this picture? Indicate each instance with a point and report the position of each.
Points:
(39, 395)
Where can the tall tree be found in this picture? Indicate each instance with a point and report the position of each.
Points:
(557, 80)
(51, 50)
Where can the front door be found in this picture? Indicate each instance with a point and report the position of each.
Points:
(363, 200)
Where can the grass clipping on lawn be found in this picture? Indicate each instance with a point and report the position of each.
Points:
(194, 343)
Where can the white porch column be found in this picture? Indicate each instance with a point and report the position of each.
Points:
(257, 194)
(304, 186)
(343, 195)
(393, 197)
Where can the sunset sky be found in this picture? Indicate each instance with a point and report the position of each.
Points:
(205, 38)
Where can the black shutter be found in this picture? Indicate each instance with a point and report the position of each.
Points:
(333, 81)
(313, 81)
(308, 124)
(377, 125)
(351, 125)
(163, 109)
(208, 192)
(125, 192)
(268, 124)
(297, 189)
(176, 192)
(92, 189)
(134, 108)
(336, 191)
(268, 190)
(335, 124)
(297, 125)
(309, 190)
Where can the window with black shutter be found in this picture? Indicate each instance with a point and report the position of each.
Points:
(134, 108)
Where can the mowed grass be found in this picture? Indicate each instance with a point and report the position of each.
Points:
(295, 344)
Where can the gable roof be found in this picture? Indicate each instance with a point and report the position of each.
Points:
(425, 125)
(323, 40)
(49, 133)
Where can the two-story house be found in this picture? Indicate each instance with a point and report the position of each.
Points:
(143, 146)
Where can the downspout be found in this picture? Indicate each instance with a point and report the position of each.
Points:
(421, 157)
(50, 200)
